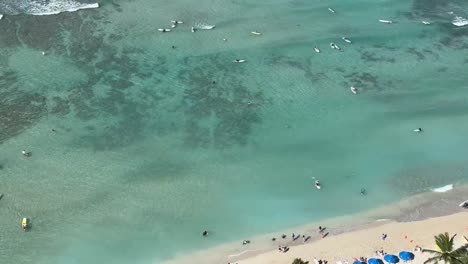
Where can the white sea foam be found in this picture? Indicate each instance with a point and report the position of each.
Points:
(460, 21)
(56, 7)
(41, 8)
(241, 253)
(442, 189)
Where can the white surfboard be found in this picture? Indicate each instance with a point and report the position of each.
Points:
(238, 61)
(256, 33)
(346, 40)
(331, 10)
(385, 21)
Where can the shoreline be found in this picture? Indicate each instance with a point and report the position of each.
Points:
(415, 208)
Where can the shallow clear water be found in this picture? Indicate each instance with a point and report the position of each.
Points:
(148, 152)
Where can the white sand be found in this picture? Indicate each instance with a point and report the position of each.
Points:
(347, 246)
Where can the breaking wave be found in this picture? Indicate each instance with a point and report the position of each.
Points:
(42, 7)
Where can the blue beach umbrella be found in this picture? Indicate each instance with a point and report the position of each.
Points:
(406, 256)
(374, 261)
(391, 259)
(359, 262)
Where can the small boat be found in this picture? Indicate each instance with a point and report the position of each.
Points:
(176, 22)
(238, 61)
(353, 89)
(318, 185)
(417, 130)
(164, 29)
(460, 21)
(464, 204)
(24, 224)
(193, 29)
(385, 21)
(331, 10)
(346, 40)
(426, 22)
(256, 33)
(316, 49)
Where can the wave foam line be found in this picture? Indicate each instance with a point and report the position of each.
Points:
(442, 189)
(50, 10)
(241, 253)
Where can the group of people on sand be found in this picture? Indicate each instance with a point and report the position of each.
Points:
(320, 261)
(283, 249)
(380, 253)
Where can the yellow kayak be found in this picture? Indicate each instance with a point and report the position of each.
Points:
(24, 223)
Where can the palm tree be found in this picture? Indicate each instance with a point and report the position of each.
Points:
(300, 261)
(446, 252)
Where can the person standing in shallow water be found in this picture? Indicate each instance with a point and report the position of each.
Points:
(205, 233)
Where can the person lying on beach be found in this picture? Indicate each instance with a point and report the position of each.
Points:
(283, 236)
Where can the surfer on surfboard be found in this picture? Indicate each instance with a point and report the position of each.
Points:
(317, 184)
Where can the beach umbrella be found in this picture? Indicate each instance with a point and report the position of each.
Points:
(391, 259)
(406, 256)
(359, 262)
(374, 261)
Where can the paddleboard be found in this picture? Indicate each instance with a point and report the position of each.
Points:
(331, 10)
(346, 40)
(256, 33)
(164, 29)
(238, 61)
(385, 21)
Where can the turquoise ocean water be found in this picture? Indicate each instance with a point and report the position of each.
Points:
(148, 152)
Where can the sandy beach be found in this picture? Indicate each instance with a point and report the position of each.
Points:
(411, 222)
(364, 243)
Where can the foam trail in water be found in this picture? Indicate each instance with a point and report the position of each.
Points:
(40, 8)
(442, 189)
